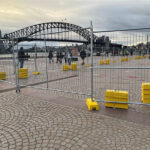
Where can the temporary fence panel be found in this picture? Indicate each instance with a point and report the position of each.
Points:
(41, 73)
(120, 70)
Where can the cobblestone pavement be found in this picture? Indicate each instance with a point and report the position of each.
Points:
(30, 121)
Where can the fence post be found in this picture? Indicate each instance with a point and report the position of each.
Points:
(35, 57)
(13, 57)
(91, 61)
(46, 62)
(17, 70)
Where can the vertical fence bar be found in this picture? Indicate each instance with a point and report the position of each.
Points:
(91, 61)
(13, 57)
(17, 71)
(35, 57)
(46, 62)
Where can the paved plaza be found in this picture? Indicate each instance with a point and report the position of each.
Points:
(38, 119)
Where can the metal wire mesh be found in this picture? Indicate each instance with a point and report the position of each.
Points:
(128, 67)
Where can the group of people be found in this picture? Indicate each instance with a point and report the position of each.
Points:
(59, 57)
(67, 57)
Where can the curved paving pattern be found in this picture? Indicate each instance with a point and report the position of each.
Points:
(28, 123)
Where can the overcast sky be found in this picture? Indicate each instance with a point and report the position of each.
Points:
(105, 14)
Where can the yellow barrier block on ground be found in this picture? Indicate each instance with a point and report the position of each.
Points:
(113, 61)
(122, 59)
(92, 105)
(145, 86)
(102, 62)
(74, 66)
(2, 75)
(144, 56)
(107, 61)
(126, 59)
(116, 96)
(135, 57)
(116, 105)
(36, 73)
(23, 73)
(65, 67)
(146, 92)
(87, 65)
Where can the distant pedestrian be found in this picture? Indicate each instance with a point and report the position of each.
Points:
(57, 57)
(60, 57)
(69, 57)
(83, 56)
(21, 57)
(65, 57)
(50, 56)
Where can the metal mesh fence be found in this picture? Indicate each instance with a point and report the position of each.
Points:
(126, 57)
(120, 62)
(51, 74)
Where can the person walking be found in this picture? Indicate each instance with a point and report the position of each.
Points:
(69, 56)
(83, 55)
(60, 57)
(21, 57)
(57, 57)
(50, 56)
(65, 57)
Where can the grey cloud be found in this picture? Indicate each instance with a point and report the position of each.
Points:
(105, 14)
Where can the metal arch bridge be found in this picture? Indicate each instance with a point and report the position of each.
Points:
(52, 31)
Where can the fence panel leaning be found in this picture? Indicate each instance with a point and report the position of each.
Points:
(122, 71)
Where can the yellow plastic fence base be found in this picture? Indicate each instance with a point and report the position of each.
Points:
(146, 93)
(122, 59)
(65, 67)
(35, 73)
(146, 101)
(74, 66)
(116, 105)
(135, 57)
(113, 61)
(23, 73)
(91, 104)
(145, 86)
(107, 61)
(2, 75)
(87, 65)
(126, 59)
(102, 62)
(116, 96)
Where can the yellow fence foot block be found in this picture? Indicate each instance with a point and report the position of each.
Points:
(36, 73)
(102, 62)
(2, 75)
(113, 61)
(23, 73)
(122, 59)
(116, 96)
(65, 67)
(107, 61)
(92, 105)
(74, 66)
(146, 93)
(126, 59)
(87, 65)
